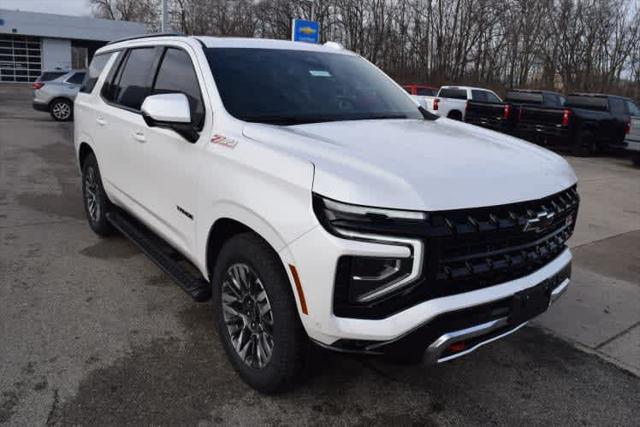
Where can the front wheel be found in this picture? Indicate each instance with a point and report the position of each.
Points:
(61, 110)
(256, 315)
(96, 202)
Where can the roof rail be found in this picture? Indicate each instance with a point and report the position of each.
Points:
(146, 36)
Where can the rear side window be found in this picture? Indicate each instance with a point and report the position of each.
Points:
(632, 108)
(47, 76)
(176, 75)
(484, 96)
(76, 79)
(552, 100)
(133, 80)
(91, 77)
(453, 93)
(617, 106)
(588, 102)
(425, 91)
(518, 97)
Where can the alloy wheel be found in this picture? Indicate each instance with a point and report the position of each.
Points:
(91, 194)
(248, 315)
(61, 110)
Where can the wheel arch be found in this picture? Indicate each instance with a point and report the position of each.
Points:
(83, 152)
(455, 115)
(225, 227)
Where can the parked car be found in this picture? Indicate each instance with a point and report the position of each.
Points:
(329, 210)
(506, 116)
(56, 96)
(632, 140)
(424, 94)
(451, 101)
(586, 124)
(47, 76)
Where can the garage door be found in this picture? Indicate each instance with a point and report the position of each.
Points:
(19, 58)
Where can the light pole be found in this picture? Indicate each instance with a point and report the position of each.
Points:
(164, 21)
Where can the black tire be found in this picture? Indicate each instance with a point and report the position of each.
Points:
(290, 345)
(455, 115)
(93, 191)
(585, 145)
(636, 160)
(61, 109)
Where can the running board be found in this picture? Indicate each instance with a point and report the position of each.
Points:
(160, 252)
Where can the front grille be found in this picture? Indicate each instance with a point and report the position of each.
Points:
(473, 249)
(470, 249)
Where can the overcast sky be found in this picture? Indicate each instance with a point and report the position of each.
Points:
(61, 7)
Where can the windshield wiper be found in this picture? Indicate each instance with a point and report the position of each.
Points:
(427, 115)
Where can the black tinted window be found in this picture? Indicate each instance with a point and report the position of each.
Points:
(484, 96)
(424, 91)
(295, 86)
(76, 79)
(91, 77)
(133, 83)
(632, 108)
(617, 106)
(453, 93)
(588, 102)
(552, 100)
(50, 75)
(176, 74)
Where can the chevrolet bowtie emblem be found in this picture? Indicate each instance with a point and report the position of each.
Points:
(307, 30)
(541, 222)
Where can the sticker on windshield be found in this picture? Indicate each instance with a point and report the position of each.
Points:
(319, 73)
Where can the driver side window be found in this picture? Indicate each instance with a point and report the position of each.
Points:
(177, 75)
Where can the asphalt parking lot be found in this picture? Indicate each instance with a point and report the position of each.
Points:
(93, 333)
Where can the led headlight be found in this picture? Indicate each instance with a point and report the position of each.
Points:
(365, 279)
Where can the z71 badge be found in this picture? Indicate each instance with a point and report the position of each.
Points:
(223, 140)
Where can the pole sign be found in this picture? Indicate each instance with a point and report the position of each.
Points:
(305, 31)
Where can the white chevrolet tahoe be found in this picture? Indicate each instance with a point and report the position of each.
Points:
(308, 195)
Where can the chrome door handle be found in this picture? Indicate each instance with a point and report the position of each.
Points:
(101, 121)
(139, 136)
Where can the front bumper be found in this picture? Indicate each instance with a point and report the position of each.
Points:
(315, 255)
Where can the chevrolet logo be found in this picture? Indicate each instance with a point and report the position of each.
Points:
(307, 30)
(541, 222)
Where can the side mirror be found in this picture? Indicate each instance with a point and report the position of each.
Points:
(171, 111)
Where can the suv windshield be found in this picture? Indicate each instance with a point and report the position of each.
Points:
(288, 87)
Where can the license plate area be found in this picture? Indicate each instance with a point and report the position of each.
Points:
(530, 303)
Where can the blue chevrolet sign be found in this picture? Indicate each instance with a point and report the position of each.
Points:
(305, 31)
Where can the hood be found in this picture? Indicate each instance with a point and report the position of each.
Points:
(419, 164)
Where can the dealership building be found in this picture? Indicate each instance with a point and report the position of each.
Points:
(33, 42)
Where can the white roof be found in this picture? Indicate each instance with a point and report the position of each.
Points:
(256, 43)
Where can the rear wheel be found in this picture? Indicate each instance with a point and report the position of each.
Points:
(96, 202)
(455, 115)
(61, 109)
(585, 145)
(256, 315)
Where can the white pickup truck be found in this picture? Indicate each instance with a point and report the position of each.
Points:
(632, 139)
(451, 101)
(305, 192)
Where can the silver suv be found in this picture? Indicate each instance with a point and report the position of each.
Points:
(56, 96)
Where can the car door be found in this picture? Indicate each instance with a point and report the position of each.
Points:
(170, 178)
(120, 127)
